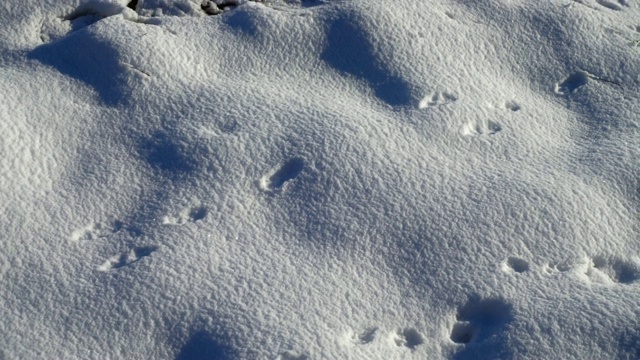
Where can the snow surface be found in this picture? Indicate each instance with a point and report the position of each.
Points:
(320, 179)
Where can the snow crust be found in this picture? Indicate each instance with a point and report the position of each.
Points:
(320, 180)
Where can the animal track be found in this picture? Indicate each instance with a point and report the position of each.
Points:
(562, 266)
(128, 258)
(290, 355)
(101, 230)
(277, 178)
(475, 128)
(611, 270)
(462, 332)
(408, 337)
(516, 264)
(365, 337)
(512, 105)
(480, 319)
(192, 214)
(601, 269)
(572, 83)
(437, 99)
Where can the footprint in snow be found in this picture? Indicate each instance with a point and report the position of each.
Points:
(480, 319)
(365, 337)
(612, 270)
(572, 83)
(515, 265)
(278, 177)
(100, 230)
(605, 270)
(408, 337)
(127, 258)
(437, 99)
(512, 106)
(290, 355)
(188, 215)
(481, 128)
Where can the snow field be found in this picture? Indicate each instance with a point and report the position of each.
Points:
(320, 180)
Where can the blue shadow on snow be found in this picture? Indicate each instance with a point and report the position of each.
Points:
(202, 346)
(350, 51)
(166, 154)
(83, 56)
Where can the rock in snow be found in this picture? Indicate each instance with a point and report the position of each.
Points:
(314, 179)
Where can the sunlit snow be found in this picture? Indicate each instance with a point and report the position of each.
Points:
(337, 179)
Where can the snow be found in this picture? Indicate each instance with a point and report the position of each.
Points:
(320, 179)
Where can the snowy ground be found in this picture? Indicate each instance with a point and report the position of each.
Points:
(345, 179)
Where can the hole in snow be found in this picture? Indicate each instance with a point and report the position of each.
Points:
(133, 4)
(409, 337)
(290, 355)
(367, 336)
(518, 265)
(481, 128)
(512, 105)
(572, 83)
(286, 172)
(203, 345)
(480, 319)
(462, 333)
(617, 269)
(437, 99)
(187, 215)
(128, 258)
(198, 213)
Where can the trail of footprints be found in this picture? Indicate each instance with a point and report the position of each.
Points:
(127, 258)
(104, 230)
(406, 337)
(188, 215)
(96, 231)
(273, 181)
(488, 127)
(480, 318)
(606, 270)
(437, 98)
(476, 320)
(472, 128)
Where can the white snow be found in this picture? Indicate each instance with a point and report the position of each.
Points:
(312, 179)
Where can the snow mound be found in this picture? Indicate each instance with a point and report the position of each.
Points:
(320, 179)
